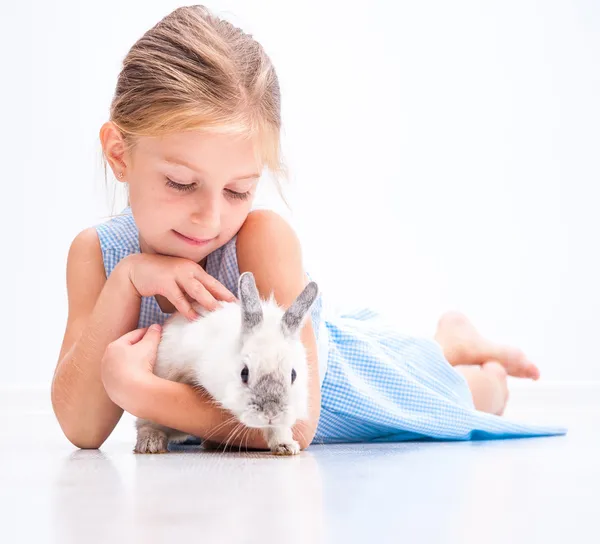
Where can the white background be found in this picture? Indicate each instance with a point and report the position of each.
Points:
(444, 155)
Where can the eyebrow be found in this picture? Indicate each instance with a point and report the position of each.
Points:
(190, 167)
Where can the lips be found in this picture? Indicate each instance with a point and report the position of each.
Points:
(192, 240)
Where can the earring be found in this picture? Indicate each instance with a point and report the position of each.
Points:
(120, 175)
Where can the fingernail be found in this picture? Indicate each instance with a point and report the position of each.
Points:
(155, 327)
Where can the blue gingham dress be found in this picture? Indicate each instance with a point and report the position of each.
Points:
(377, 384)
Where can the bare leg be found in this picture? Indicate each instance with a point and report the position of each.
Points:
(484, 364)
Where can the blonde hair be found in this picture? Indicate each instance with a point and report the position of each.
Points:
(195, 71)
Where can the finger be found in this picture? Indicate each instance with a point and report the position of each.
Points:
(214, 286)
(133, 337)
(179, 300)
(196, 289)
(152, 334)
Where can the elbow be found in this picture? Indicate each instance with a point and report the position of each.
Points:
(305, 435)
(85, 443)
(78, 434)
(83, 438)
(304, 443)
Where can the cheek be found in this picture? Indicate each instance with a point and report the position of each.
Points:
(145, 198)
(233, 217)
(235, 399)
(300, 386)
(299, 403)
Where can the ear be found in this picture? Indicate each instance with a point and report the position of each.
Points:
(252, 314)
(294, 316)
(113, 147)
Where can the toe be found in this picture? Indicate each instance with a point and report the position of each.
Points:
(514, 361)
(532, 371)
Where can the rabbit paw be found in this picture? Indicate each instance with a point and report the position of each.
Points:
(288, 448)
(151, 441)
(281, 441)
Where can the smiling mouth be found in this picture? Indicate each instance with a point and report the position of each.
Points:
(193, 241)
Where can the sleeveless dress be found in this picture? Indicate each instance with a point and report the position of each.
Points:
(377, 384)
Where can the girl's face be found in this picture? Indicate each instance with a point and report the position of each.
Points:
(190, 192)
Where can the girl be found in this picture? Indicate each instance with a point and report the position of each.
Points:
(194, 121)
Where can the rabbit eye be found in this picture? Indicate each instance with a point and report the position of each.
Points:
(293, 375)
(245, 374)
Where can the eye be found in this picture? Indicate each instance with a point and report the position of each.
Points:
(237, 196)
(293, 375)
(180, 186)
(245, 372)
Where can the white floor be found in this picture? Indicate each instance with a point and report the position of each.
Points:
(531, 490)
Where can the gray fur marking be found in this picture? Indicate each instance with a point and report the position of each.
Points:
(294, 315)
(270, 395)
(251, 309)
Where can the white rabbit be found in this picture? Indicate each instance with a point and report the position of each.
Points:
(250, 359)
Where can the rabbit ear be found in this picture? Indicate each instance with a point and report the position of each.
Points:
(252, 314)
(294, 315)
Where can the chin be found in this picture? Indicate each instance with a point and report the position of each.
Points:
(191, 255)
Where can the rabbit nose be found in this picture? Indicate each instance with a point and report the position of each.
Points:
(271, 418)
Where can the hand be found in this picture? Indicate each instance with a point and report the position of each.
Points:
(179, 280)
(128, 362)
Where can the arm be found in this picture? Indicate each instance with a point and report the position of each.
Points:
(268, 247)
(100, 311)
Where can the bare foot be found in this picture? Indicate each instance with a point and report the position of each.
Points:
(488, 386)
(463, 345)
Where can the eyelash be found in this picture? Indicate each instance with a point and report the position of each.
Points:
(189, 187)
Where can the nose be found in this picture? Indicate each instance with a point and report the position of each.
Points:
(271, 412)
(208, 216)
(273, 419)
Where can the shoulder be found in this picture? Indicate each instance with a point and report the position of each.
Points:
(85, 248)
(266, 232)
(85, 264)
(85, 277)
(268, 247)
(266, 223)
(118, 233)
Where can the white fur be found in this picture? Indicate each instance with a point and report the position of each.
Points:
(212, 351)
